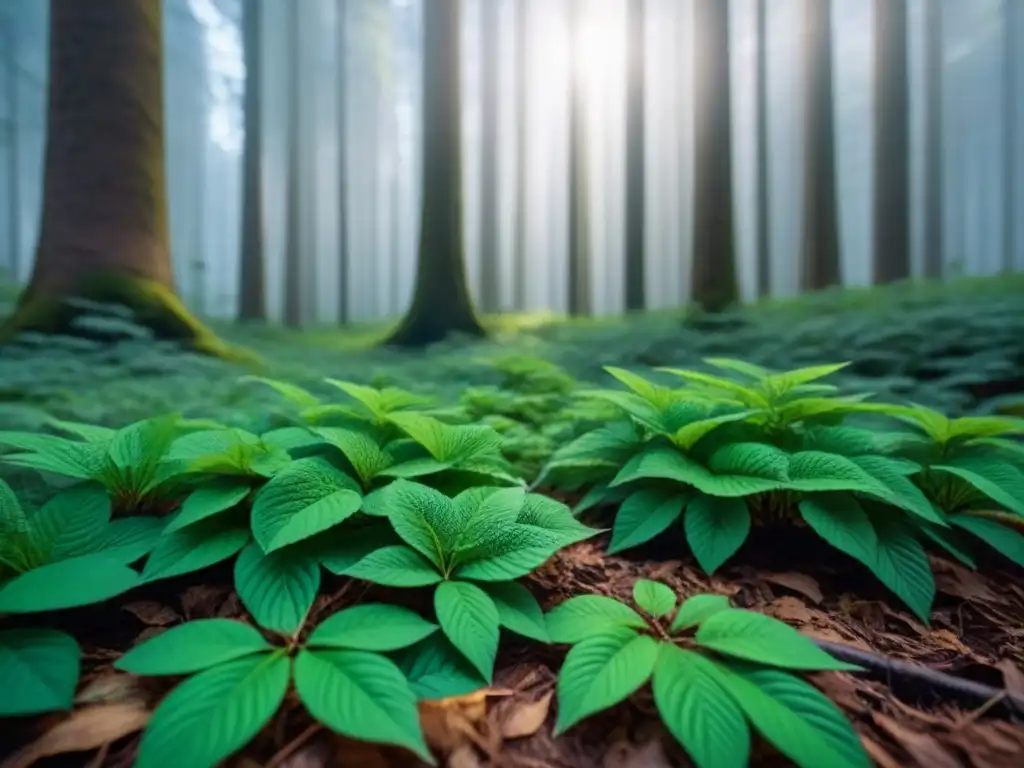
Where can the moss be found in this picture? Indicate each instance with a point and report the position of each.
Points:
(154, 306)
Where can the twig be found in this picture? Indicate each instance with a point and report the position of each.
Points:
(293, 746)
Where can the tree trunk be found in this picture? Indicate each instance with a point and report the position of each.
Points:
(519, 253)
(764, 282)
(293, 266)
(103, 233)
(9, 51)
(636, 184)
(714, 281)
(892, 144)
(579, 185)
(934, 182)
(820, 264)
(441, 303)
(490, 87)
(1011, 41)
(342, 118)
(252, 278)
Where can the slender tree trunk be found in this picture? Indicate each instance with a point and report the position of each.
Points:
(1011, 42)
(490, 85)
(636, 183)
(763, 206)
(441, 303)
(714, 281)
(252, 279)
(520, 256)
(820, 265)
(934, 173)
(293, 261)
(343, 180)
(580, 302)
(892, 143)
(9, 51)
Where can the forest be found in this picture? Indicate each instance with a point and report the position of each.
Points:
(511, 383)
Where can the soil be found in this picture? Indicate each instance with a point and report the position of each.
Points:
(976, 634)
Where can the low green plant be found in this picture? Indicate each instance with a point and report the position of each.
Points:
(713, 669)
(239, 680)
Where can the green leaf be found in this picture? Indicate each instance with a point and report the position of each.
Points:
(796, 718)
(1003, 539)
(755, 637)
(469, 618)
(68, 583)
(362, 450)
(602, 671)
(670, 464)
(372, 627)
(697, 608)
(751, 459)
(395, 566)
(447, 442)
(425, 519)
(582, 616)
(654, 598)
(127, 539)
(195, 547)
(277, 589)
(290, 392)
(192, 647)
(360, 695)
(644, 515)
(214, 714)
(48, 453)
(950, 540)
(88, 432)
(715, 529)
(901, 563)
(39, 669)
(305, 498)
(997, 480)
(338, 554)
(547, 514)
(698, 711)
(839, 519)
(518, 609)
(903, 493)
(207, 501)
(69, 522)
(436, 670)
(511, 551)
(816, 472)
(12, 517)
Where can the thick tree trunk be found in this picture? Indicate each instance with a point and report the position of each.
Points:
(441, 303)
(820, 266)
(252, 277)
(934, 176)
(636, 183)
(892, 144)
(763, 207)
(342, 118)
(103, 234)
(519, 254)
(490, 87)
(714, 282)
(293, 261)
(580, 302)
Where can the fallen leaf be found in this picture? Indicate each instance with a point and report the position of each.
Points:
(113, 688)
(85, 729)
(1013, 678)
(791, 609)
(464, 756)
(525, 717)
(152, 613)
(924, 748)
(449, 723)
(879, 756)
(626, 754)
(798, 582)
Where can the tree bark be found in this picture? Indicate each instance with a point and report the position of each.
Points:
(714, 280)
(892, 144)
(636, 183)
(441, 303)
(103, 234)
(293, 262)
(820, 264)
(252, 276)
(580, 302)
(934, 175)
(490, 86)
(763, 204)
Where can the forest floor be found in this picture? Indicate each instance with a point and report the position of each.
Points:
(958, 348)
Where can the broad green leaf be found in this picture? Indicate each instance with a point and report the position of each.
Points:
(600, 495)
(395, 566)
(985, 426)
(654, 598)
(715, 529)
(69, 583)
(548, 514)
(425, 519)
(658, 396)
(277, 589)
(469, 618)
(903, 493)
(687, 436)
(292, 393)
(192, 647)
(195, 547)
(360, 695)
(12, 517)
(307, 497)
(755, 372)
(750, 459)
(208, 500)
(447, 442)
(670, 464)
(698, 711)
(644, 515)
(743, 393)
(583, 616)
(340, 550)
(602, 671)
(512, 552)
(998, 480)
(518, 609)
(70, 521)
(82, 461)
(38, 669)
(372, 627)
(755, 637)
(950, 540)
(796, 718)
(1003, 539)
(696, 609)
(901, 563)
(214, 714)
(363, 451)
(138, 449)
(816, 472)
(88, 432)
(839, 519)
(436, 670)
(127, 539)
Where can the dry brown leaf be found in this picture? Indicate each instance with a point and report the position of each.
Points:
(464, 756)
(1013, 678)
(113, 688)
(791, 609)
(151, 613)
(449, 723)
(526, 717)
(798, 582)
(85, 729)
(626, 754)
(879, 756)
(924, 748)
